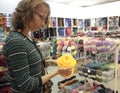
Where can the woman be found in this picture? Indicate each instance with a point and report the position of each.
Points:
(23, 59)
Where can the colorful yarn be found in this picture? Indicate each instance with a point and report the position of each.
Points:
(66, 61)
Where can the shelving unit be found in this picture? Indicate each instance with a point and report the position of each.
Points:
(106, 76)
(66, 26)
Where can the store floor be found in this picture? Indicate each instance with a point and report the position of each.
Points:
(57, 78)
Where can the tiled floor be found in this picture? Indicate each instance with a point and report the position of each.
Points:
(57, 78)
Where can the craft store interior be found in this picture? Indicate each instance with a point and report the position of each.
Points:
(89, 30)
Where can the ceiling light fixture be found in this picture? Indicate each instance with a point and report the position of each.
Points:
(83, 3)
(61, 1)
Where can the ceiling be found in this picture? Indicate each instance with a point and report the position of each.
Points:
(83, 3)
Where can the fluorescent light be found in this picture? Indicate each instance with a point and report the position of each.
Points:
(82, 2)
(60, 1)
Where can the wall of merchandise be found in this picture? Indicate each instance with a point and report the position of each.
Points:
(69, 27)
(5, 25)
(64, 27)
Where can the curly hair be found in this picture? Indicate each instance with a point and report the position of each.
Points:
(24, 13)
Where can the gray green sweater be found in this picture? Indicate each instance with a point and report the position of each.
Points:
(24, 64)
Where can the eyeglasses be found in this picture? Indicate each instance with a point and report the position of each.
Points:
(42, 17)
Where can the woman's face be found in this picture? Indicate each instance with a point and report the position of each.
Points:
(39, 19)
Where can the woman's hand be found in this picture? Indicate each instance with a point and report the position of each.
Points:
(65, 71)
(49, 62)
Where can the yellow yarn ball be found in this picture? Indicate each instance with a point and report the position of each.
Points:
(66, 61)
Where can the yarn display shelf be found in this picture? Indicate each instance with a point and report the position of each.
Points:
(115, 75)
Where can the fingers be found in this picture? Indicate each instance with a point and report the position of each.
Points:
(65, 71)
(51, 60)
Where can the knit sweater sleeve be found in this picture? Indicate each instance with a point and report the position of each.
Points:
(19, 67)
